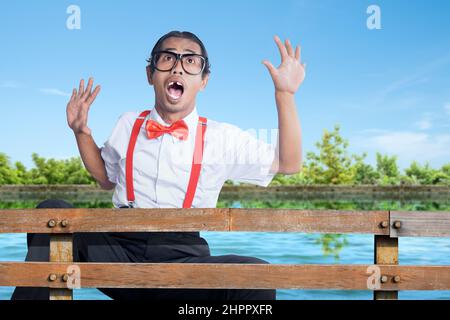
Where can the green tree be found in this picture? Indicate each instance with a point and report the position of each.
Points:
(427, 175)
(387, 169)
(46, 171)
(53, 171)
(22, 173)
(364, 173)
(446, 169)
(75, 173)
(299, 178)
(333, 164)
(7, 174)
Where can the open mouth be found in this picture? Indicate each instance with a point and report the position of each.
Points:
(175, 90)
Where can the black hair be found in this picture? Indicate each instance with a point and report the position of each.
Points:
(183, 35)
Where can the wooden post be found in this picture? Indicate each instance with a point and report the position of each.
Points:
(61, 250)
(386, 252)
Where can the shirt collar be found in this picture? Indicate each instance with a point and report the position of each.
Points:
(191, 120)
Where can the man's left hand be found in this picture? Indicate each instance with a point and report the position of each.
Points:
(288, 77)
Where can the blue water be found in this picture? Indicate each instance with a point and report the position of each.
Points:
(286, 248)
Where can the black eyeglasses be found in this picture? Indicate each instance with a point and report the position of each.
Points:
(192, 63)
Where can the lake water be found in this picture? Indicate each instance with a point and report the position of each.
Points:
(290, 248)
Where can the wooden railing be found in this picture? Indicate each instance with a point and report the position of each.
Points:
(385, 277)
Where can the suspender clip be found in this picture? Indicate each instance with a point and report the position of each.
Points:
(131, 204)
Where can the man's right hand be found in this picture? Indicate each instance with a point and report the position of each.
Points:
(78, 107)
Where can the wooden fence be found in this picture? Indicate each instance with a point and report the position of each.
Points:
(385, 277)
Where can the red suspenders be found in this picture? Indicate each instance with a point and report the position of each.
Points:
(130, 152)
(196, 161)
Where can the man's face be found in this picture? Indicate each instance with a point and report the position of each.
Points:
(170, 96)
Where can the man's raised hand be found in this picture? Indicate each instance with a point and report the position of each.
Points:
(78, 107)
(290, 74)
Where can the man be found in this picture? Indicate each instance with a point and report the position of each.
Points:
(169, 157)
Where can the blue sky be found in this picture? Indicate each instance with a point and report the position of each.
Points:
(387, 88)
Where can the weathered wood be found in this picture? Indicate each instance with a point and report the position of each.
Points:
(420, 224)
(310, 221)
(61, 222)
(386, 252)
(203, 275)
(61, 250)
(141, 220)
(113, 220)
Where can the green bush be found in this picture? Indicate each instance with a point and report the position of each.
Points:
(46, 171)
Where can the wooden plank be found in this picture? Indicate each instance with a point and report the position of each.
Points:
(386, 252)
(215, 219)
(202, 275)
(61, 250)
(113, 220)
(310, 221)
(416, 277)
(420, 224)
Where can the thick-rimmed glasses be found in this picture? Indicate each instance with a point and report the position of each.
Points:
(192, 63)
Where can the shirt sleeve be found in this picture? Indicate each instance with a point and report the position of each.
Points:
(112, 149)
(111, 159)
(249, 159)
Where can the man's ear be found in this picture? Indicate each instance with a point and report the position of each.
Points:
(204, 82)
(149, 75)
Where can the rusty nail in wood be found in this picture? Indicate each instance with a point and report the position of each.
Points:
(65, 277)
(64, 223)
(384, 224)
(52, 277)
(51, 223)
(396, 279)
(397, 224)
(384, 279)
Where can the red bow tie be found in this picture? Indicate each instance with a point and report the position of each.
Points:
(178, 129)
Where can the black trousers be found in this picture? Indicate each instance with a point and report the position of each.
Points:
(152, 247)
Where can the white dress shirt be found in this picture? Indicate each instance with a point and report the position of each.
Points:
(162, 166)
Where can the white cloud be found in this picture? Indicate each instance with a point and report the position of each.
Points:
(424, 124)
(447, 108)
(407, 146)
(55, 92)
(10, 84)
(420, 75)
